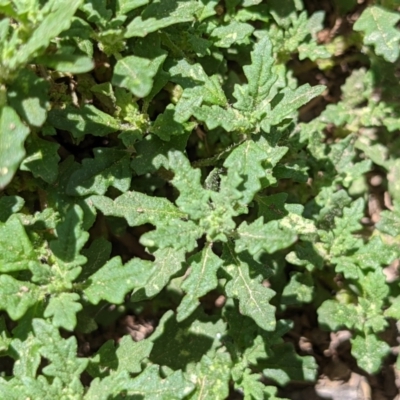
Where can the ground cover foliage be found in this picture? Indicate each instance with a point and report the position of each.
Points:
(154, 164)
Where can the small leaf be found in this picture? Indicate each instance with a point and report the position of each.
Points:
(233, 33)
(258, 236)
(379, 26)
(177, 234)
(211, 377)
(97, 255)
(109, 167)
(292, 100)
(16, 250)
(160, 14)
(197, 84)
(17, 296)
(335, 316)
(87, 120)
(28, 96)
(58, 19)
(136, 73)
(202, 279)
(138, 208)
(299, 289)
(9, 205)
(166, 126)
(125, 6)
(70, 63)
(57, 351)
(70, 240)
(42, 159)
(114, 280)
(168, 262)
(247, 159)
(259, 73)
(186, 342)
(390, 221)
(130, 354)
(63, 309)
(193, 198)
(12, 137)
(369, 352)
(152, 152)
(285, 365)
(245, 284)
(229, 119)
(149, 385)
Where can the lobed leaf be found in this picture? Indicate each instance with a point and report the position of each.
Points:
(379, 27)
(12, 137)
(245, 284)
(138, 208)
(109, 167)
(114, 280)
(201, 280)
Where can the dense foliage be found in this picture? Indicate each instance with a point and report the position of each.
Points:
(153, 163)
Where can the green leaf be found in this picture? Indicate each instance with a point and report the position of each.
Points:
(334, 315)
(97, 255)
(259, 73)
(42, 159)
(63, 308)
(379, 27)
(149, 385)
(96, 11)
(166, 126)
(17, 296)
(245, 284)
(193, 198)
(257, 236)
(125, 6)
(299, 290)
(114, 280)
(26, 355)
(57, 350)
(233, 33)
(58, 199)
(285, 365)
(28, 96)
(168, 262)
(291, 101)
(229, 119)
(211, 377)
(160, 14)
(197, 84)
(109, 167)
(130, 354)
(70, 63)
(180, 344)
(138, 208)
(58, 19)
(12, 137)
(87, 120)
(16, 250)
(70, 239)
(177, 234)
(8, 206)
(152, 152)
(248, 160)
(202, 279)
(369, 352)
(390, 221)
(137, 74)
